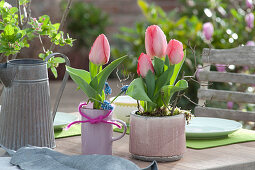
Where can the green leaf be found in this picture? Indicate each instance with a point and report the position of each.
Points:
(169, 90)
(150, 83)
(102, 76)
(167, 63)
(81, 78)
(158, 66)
(164, 79)
(143, 5)
(13, 10)
(177, 69)
(54, 71)
(59, 60)
(9, 30)
(83, 74)
(136, 90)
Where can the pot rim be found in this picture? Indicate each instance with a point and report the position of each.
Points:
(27, 62)
(133, 113)
(100, 109)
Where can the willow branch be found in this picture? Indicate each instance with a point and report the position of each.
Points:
(62, 21)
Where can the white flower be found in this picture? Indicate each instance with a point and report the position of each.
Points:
(7, 5)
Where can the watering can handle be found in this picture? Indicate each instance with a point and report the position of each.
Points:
(61, 90)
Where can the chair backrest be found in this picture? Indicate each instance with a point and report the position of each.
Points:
(240, 56)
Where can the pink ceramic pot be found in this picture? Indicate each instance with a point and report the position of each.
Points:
(157, 138)
(97, 138)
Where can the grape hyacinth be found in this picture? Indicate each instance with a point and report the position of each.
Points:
(124, 89)
(106, 105)
(107, 89)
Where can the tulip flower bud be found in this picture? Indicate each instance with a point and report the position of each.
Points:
(208, 30)
(221, 67)
(100, 51)
(175, 51)
(230, 105)
(249, 4)
(155, 42)
(250, 43)
(144, 65)
(249, 19)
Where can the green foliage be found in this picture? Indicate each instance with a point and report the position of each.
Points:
(155, 91)
(93, 86)
(186, 26)
(16, 36)
(86, 22)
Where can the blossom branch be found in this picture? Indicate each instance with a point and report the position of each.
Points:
(28, 10)
(62, 22)
(19, 14)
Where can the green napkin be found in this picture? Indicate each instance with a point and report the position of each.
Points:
(74, 130)
(242, 135)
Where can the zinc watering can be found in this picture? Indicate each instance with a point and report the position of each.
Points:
(25, 117)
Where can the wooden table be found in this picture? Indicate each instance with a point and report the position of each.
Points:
(233, 157)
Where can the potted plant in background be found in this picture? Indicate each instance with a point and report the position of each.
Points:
(96, 114)
(25, 111)
(157, 129)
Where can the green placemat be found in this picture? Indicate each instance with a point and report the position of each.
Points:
(242, 135)
(74, 130)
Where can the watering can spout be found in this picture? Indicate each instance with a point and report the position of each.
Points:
(7, 74)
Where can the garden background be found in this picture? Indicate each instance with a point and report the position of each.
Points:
(124, 23)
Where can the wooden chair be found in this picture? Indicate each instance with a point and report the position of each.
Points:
(240, 56)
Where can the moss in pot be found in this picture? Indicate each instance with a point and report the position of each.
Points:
(157, 129)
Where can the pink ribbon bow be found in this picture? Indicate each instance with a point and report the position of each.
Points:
(99, 119)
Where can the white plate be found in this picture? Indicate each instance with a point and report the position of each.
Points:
(63, 119)
(207, 127)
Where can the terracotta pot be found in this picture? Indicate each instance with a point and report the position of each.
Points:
(157, 138)
(97, 138)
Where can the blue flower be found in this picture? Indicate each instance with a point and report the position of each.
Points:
(107, 89)
(106, 105)
(124, 89)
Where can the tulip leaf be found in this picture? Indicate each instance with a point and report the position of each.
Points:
(136, 90)
(169, 90)
(150, 83)
(167, 63)
(177, 69)
(158, 66)
(81, 78)
(102, 76)
(79, 72)
(164, 78)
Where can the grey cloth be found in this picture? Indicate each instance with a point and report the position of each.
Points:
(35, 158)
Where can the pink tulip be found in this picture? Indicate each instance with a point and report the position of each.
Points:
(155, 42)
(208, 30)
(249, 4)
(250, 43)
(249, 19)
(144, 65)
(175, 51)
(230, 105)
(100, 51)
(221, 67)
(199, 69)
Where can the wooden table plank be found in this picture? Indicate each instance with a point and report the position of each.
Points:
(236, 156)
